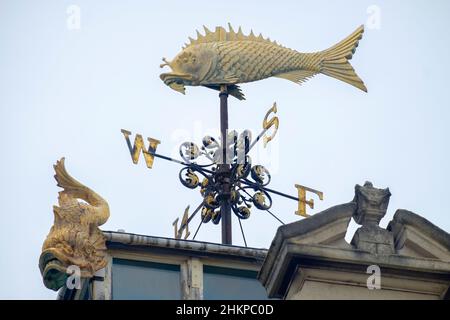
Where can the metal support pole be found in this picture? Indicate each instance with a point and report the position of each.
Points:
(224, 169)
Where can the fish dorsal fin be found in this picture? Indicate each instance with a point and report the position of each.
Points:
(297, 76)
(220, 34)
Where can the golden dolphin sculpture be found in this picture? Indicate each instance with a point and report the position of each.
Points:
(74, 239)
(228, 58)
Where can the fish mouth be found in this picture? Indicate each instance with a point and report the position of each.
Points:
(52, 269)
(177, 81)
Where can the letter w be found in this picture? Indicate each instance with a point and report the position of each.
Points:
(139, 146)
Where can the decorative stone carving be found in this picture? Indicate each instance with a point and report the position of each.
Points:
(372, 204)
(417, 237)
(74, 239)
(308, 259)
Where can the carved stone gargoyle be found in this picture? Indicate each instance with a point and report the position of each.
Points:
(74, 239)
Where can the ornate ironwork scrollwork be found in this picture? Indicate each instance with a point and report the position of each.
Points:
(260, 175)
(262, 200)
(188, 178)
(246, 182)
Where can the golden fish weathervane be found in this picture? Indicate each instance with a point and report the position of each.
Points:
(222, 168)
(229, 58)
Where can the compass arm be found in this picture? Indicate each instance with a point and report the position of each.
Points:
(187, 165)
(195, 211)
(270, 212)
(301, 199)
(198, 229)
(168, 158)
(255, 185)
(185, 222)
(190, 165)
(242, 231)
(257, 139)
(267, 124)
(273, 215)
(150, 153)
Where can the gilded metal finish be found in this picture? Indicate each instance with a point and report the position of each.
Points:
(302, 202)
(245, 183)
(184, 225)
(74, 239)
(229, 58)
(224, 173)
(139, 147)
(267, 124)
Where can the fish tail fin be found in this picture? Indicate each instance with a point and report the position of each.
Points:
(335, 60)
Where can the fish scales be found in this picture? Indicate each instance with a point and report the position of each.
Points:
(255, 60)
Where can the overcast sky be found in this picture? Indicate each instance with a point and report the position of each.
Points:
(67, 91)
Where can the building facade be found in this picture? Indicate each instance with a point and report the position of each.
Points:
(308, 259)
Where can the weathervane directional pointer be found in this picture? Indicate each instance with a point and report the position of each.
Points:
(221, 60)
(233, 185)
